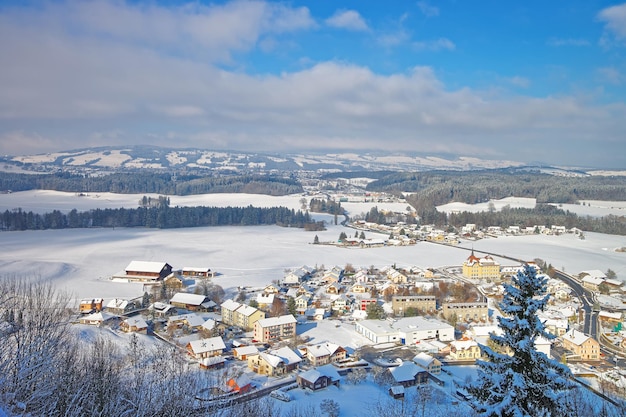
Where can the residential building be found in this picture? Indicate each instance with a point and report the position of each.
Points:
(466, 312)
(481, 268)
(275, 328)
(583, 346)
(425, 304)
(240, 315)
(464, 349)
(119, 306)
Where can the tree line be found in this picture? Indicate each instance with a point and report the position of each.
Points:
(150, 182)
(160, 217)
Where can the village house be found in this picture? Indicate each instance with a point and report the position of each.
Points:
(275, 328)
(204, 348)
(359, 288)
(192, 302)
(581, 345)
(96, 319)
(120, 307)
(191, 320)
(271, 289)
(134, 324)
(90, 305)
(242, 352)
(173, 282)
(427, 362)
(159, 309)
(265, 300)
(324, 353)
(240, 315)
(318, 378)
(145, 271)
(302, 303)
(240, 385)
(425, 304)
(481, 268)
(339, 304)
(464, 349)
(275, 362)
(363, 303)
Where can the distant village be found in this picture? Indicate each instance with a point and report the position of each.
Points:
(441, 315)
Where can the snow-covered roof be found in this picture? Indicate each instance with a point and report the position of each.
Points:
(576, 337)
(246, 310)
(99, 316)
(588, 279)
(247, 350)
(423, 359)
(287, 355)
(405, 372)
(277, 321)
(192, 319)
(117, 303)
(194, 269)
(314, 374)
(263, 298)
(159, 306)
(212, 360)
(272, 360)
(594, 273)
(207, 345)
(188, 298)
(209, 324)
(322, 349)
(463, 344)
(146, 266)
(136, 321)
(231, 305)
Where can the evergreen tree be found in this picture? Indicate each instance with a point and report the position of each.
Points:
(525, 382)
(291, 306)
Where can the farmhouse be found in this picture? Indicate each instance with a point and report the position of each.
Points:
(145, 271)
(192, 302)
(427, 362)
(96, 319)
(197, 272)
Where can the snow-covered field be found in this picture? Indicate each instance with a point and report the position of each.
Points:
(82, 260)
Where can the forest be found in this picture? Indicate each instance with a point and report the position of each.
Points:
(160, 217)
(151, 182)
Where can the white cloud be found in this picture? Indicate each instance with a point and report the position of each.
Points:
(520, 81)
(611, 75)
(65, 90)
(427, 9)
(568, 42)
(347, 19)
(614, 19)
(434, 45)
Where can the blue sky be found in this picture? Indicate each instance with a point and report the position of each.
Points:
(527, 81)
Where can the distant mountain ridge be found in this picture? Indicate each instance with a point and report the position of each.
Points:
(157, 158)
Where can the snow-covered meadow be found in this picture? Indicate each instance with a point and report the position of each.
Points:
(81, 261)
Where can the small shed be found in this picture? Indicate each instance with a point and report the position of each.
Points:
(397, 392)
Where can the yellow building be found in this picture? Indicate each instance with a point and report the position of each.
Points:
(581, 345)
(481, 268)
